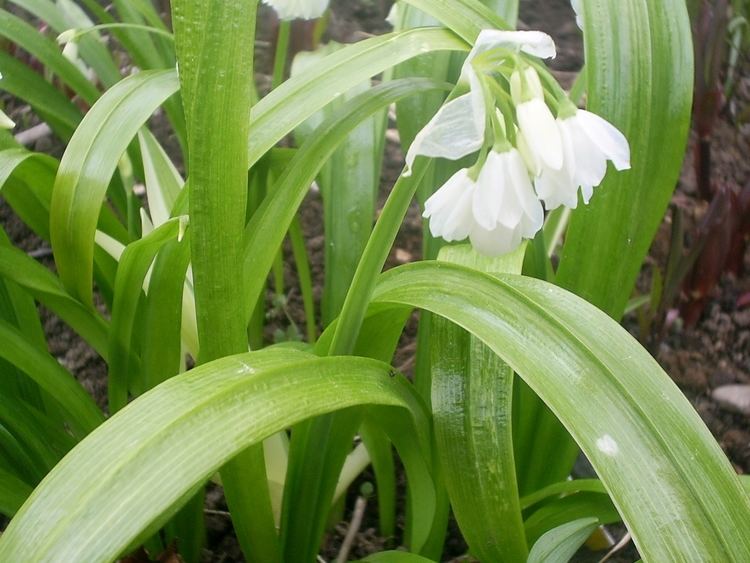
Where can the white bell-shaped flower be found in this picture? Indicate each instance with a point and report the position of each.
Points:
(303, 9)
(458, 129)
(496, 211)
(535, 121)
(589, 141)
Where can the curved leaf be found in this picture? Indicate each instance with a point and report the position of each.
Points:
(47, 289)
(158, 448)
(131, 275)
(47, 101)
(269, 224)
(51, 377)
(48, 53)
(635, 426)
(560, 544)
(284, 109)
(639, 69)
(465, 17)
(87, 167)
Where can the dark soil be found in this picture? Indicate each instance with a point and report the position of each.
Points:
(713, 353)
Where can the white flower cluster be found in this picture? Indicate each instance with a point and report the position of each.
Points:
(304, 9)
(527, 155)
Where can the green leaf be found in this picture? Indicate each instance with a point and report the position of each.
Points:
(284, 109)
(26, 180)
(215, 47)
(560, 544)
(163, 181)
(472, 397)
(13, 493)
(639, 62)
(560, 511)
(87, 167)
(194, 422)
(51, 377)
(265, 231)
(639, 69)
(563, 488)
(48, 102)
(465, 17)
(131, 274)
(161, 350)
(396, 557)
(639, 432)
(48, 290)
(48, 53)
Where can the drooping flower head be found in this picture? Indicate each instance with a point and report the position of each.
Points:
(533, 145)
(458, 128)
(589, 141)
(303, 9)
(496, 211)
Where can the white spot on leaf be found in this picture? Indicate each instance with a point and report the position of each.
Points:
(607, 445)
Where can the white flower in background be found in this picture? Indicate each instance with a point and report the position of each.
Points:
(458, 129)
(496, 211)
(578, 9)
(5, 121)
(304, 9)
(535, 121)
(69, 42)
(589, 141)
(393, 16)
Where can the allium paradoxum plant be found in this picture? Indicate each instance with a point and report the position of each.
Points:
(535, 146)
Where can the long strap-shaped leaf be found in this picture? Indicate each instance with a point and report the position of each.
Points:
(131, 273)
(465, 17)
(165, 443)
(46, 288)
(284, 109)
(48, 53)
(639, 73)
(215, 41)
(267, 228)
(666, 474)
(472, 395)
(87, 167)
(639, 70)
(51, 377)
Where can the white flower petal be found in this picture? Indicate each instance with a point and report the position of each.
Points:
(586, 193)
(453, 133)
(459, 223)
(489, 193)
(555, 188)
(607, 137)
(440, 208)
(578, 9)
(495, 242)
(540, 132)
(533, 214)
(5, 121)
(535, 43)
(589, 164)
(305, 9)
(558, 187)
